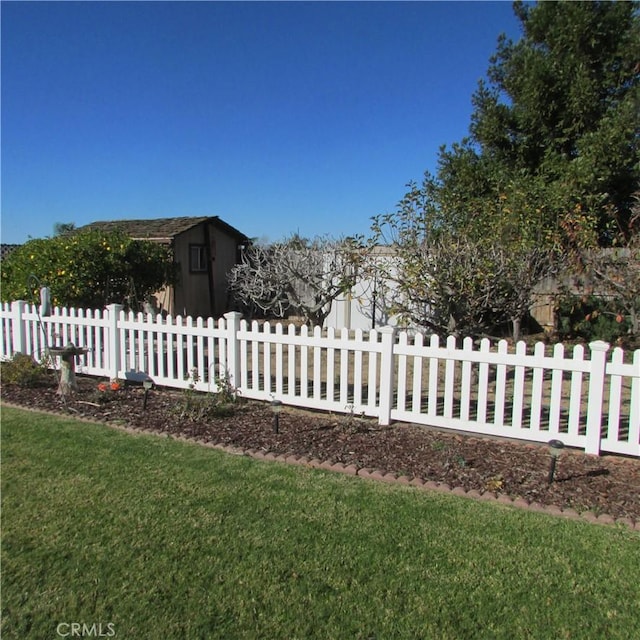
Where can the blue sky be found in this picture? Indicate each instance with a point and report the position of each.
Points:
(279, 117)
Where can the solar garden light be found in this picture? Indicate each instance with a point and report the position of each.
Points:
(555, 448)
(147, 383)
(276, 407)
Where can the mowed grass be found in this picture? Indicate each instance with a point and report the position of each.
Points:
(154, 538)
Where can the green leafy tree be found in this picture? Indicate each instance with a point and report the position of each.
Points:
(549, 168)
(87, 269)
(557, 121)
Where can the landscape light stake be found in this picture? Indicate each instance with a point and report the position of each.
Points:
(147, 384)
(276, 407)
(555, 447)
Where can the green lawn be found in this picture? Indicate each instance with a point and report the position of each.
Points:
(154, 538)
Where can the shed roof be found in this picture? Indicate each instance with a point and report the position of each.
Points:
(162, 229)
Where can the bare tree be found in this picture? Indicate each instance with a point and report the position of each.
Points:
(518, 269)
(455, 282)
(296, 276)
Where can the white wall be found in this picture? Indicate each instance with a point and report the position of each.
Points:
(365, 307)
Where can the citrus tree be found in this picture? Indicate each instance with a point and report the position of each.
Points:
(87, 269)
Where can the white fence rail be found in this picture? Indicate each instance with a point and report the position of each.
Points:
(588, 397)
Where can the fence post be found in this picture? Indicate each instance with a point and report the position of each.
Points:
(386, 375)
(596, 395)
(18, 328)
(113, 341)
(233, 347)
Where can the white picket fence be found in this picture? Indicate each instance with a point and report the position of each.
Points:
(589, 397)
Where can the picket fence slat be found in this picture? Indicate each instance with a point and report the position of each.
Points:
(575, 393)
(372, 374)
(634, 409)
(357, 374)
(588, 400)
(555, 401)
(483, 384)
(317, 365)
(304, 364)
(465, 383)
(518, 386)
(501, 386)
(402, 374)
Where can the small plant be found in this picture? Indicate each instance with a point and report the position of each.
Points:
(112, 385)
(461, 461)
(106, 391)
(24, 371)
(354, 422)
(226, 393)
(197, 406)
(494, 484)
(439, 445)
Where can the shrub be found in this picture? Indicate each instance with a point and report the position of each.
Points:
(590, 318)
(23, 371)
(196, 406)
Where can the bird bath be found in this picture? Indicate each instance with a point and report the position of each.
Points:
(67, 355)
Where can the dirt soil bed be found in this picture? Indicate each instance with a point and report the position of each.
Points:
(599, 485)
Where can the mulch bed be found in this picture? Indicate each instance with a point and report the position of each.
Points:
(607, 486)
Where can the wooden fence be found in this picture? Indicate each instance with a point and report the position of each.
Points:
(588, 396)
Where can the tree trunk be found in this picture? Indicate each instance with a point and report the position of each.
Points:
(516, 322)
